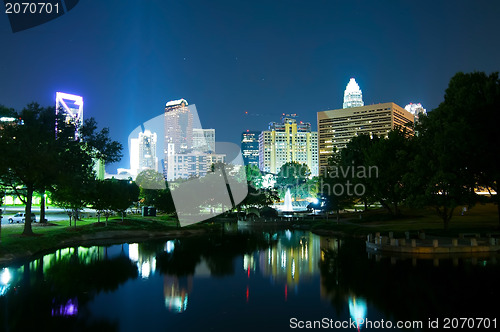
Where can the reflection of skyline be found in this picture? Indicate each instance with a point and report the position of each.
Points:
(176, 291)
(292, 258)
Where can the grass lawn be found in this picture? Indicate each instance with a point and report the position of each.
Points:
(482, 218)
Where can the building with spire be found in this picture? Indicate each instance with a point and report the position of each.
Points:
(352, 95)
(337, 127)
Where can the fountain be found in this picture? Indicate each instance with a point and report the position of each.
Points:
(287, 206)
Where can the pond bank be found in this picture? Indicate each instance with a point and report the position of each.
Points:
(104, 237)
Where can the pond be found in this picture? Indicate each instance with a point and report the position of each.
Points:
(246, 281)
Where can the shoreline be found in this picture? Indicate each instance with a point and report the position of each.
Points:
(101, 238)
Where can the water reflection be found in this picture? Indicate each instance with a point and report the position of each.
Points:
(206, 282)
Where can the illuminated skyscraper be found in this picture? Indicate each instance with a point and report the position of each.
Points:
(72, 107)
(178, 126)
(352, 95)
(337, 127)
(416, 110)
(147, 151)
(286, 142)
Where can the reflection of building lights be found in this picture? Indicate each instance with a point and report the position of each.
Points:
(283, 259)
(133, 252)
(169, 246)
(288, 234)
(145, 270)
(293, 268)
(176, 304)
(70, 308)
(357, 310)
(5, 278)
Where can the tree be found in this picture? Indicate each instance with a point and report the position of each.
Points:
(293, 176)
(114, 195)
(472, 102)
(254, 176)
(32, 157)
(99, 144)
(126, 194)
(334, 199)
(391, 158)
(75, 185)
(438, 175)
(354, 157)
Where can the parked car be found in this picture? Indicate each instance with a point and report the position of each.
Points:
(21, 217)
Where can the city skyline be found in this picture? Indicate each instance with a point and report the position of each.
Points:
(245, 63)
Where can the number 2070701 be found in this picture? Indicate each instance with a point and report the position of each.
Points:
(31, 8)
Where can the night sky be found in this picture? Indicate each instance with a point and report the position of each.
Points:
(128, 58)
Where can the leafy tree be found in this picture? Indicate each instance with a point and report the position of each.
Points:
(114, 195)
(334, 199)
(260, 197)
(150, 179)
(353, 157)
(99, 144)
(293, 176)
(254, 176)
(391, 158)
(439, 175)
(126, 193)
(472, 104)
(32, 157)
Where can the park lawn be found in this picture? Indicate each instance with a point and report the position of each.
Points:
(482, 218)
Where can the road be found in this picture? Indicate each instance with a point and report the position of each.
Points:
(51, 214)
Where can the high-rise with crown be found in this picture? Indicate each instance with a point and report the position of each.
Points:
(352, 95)
(337, 127)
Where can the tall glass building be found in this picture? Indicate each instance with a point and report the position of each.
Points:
(250, 147)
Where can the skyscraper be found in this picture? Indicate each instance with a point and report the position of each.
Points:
(189, 149)
(147, 151)
(416, 110)
(352, 95)
(337, 127)
(178, 125)
(286, 142)
(250, 147)
(72, 107)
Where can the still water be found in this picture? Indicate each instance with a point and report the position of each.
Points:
(245, 281)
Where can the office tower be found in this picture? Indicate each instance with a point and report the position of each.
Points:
(416, 110)
(250, 147)
(195, 163)
(147, 151)
(286, 142)
(352, 95)
(178, 125)
(189, 149)
(72, 107)
(203, 140)
(337, 127)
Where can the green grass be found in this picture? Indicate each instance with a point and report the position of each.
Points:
(54, 234)
(480, 219)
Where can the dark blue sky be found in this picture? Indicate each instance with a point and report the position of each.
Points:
(128, 58)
